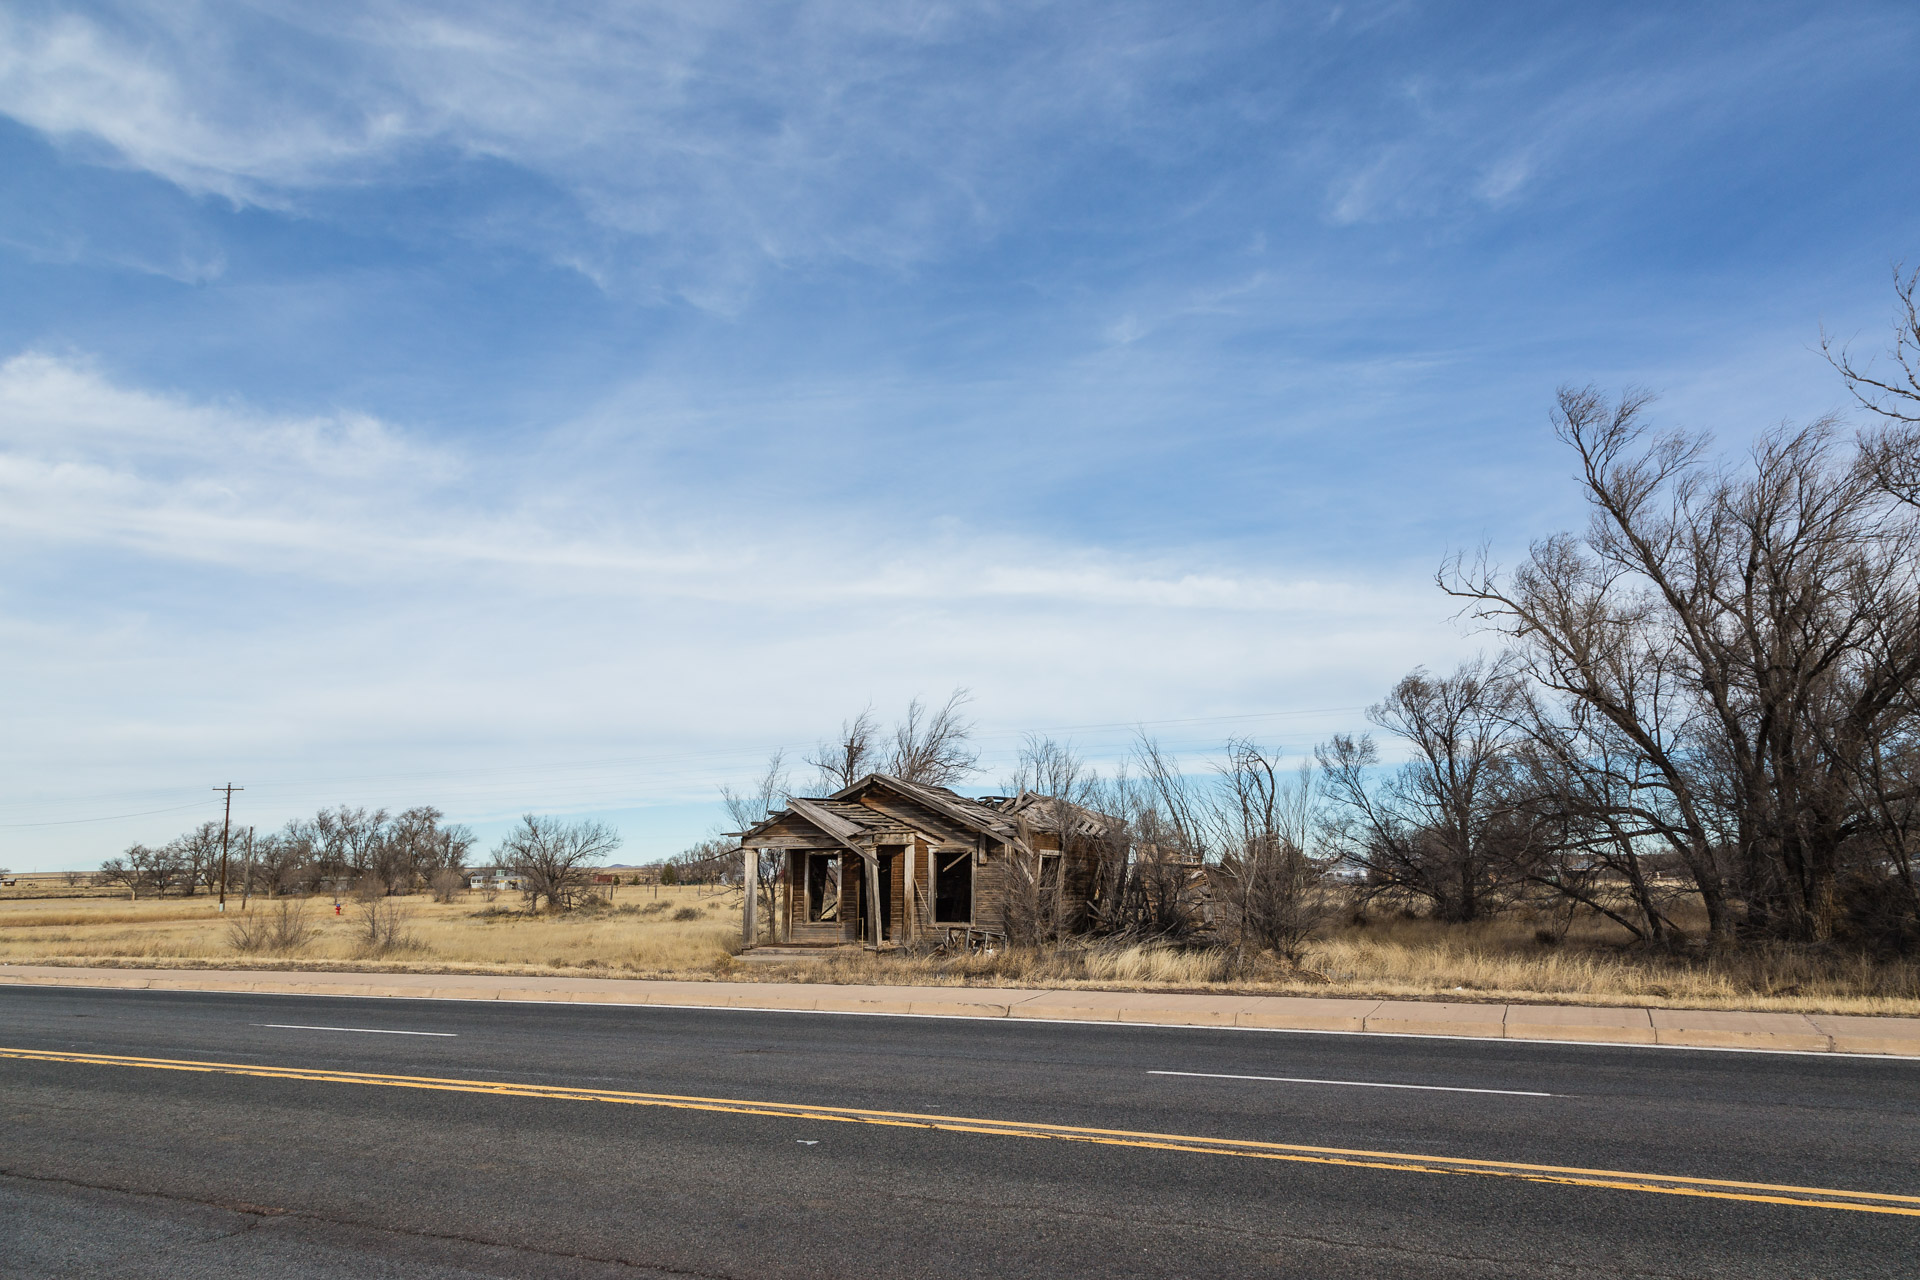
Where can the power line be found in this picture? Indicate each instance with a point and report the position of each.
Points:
(112, 817)
(699, 778)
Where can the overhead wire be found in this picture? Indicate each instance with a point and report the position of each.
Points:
(578, 787)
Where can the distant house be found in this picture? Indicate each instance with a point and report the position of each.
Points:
(934, 862)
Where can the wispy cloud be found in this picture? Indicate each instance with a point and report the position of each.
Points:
(717, 137)
(84, 460)
(419, 392)
(427, 601)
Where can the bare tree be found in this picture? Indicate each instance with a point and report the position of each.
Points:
(1263, 823)
(133, 870)
(198, 856)
(931, 747)
(704, 862)
(1438, 825)
(1170, 840)
(349, 842)
(851, 756)
(1749, 634)
(416, 844)
(284, 862)
(934, 748)
(751, 806)
(1592, 845)
(748, 808)
(1058, 790)
(553, 859)
(1890, 451)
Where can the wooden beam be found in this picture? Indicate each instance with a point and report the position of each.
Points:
(749, 917)
(777, 914)
(874, 901)
(913, 922)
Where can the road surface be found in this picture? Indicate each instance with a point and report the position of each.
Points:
(214, 1135)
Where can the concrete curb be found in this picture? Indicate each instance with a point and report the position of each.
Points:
(1694, 1028)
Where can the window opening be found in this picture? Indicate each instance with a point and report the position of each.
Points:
(823, 887)
(953, 886)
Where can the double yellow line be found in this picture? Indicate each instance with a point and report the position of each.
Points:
(1558, 1175)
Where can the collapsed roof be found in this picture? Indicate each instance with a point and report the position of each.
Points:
(849, 819)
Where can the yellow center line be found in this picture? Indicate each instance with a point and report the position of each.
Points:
(1556, 1175)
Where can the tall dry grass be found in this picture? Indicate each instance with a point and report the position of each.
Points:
(1505, 960)
(636, 937)
(643, 936)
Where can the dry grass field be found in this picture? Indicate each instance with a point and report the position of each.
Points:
(1419, 959)
(688, 932)
(679, 932)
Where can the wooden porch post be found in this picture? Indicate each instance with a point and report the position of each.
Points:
(873, 898)
(913, 921)
(749, 919)
(781, 926)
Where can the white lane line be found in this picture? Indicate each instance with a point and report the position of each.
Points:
(365, 1031)
(1356, 1084)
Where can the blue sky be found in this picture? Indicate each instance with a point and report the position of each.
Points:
(559, 406)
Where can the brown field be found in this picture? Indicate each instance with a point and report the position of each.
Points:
(1500, 960)
(638, 937)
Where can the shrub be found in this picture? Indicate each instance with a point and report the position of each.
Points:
(383, 928)
(687, 913)
(282, 931)
(446, 884)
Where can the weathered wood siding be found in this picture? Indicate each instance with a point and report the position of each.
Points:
(791, 831)
(920, 890)
(896, 888)
(853, 890)
(796, 890)
(990, 890)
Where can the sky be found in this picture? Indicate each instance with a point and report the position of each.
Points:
(558, 407)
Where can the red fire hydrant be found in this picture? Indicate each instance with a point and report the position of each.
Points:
(336, 908)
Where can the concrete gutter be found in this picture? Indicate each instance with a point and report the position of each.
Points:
(1698, 1028)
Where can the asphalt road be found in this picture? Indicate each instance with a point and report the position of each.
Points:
(137, 1169)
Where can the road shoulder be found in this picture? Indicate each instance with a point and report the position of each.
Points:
(1692, 1028)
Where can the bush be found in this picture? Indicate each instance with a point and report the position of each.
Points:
(281, 931)
(383, 928)
(687, 913)
(446, 884)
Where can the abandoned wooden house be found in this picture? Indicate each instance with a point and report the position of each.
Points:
(939, 866)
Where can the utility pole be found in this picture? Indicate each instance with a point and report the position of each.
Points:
(226, 825)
